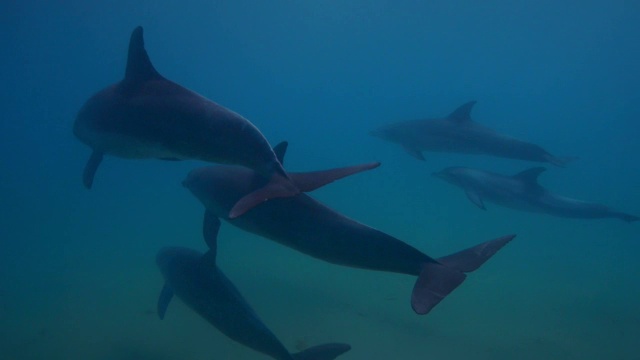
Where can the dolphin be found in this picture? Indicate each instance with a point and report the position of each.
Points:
(457, 133)
(312, 228)
(147, 116)
(522, 192)
(201, 285)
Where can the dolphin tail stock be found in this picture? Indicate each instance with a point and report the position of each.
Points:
(438, 279)
(560, 161)
(322, 352)
(280, 186)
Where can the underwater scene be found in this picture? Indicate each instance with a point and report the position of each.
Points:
(317, 180)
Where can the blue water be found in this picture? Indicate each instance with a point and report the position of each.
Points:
(77, 272)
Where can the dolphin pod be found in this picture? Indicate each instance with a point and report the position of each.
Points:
(308, 226)
(147, 116)
(202, 286)
(522, 192)
(458, 133)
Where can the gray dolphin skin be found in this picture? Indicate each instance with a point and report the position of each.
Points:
(201, 285)
(307, 226)
(522, 192)
(457, 133)
(147, 116)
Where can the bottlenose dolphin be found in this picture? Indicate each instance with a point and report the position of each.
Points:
(200, 284)
(306, 225)
(457, 133)
(522, 192)
(147, 116)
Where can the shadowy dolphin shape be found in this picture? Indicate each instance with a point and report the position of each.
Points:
(147, 116)
(305, 225)
(457, 133)
(200, 284)
(522, 192)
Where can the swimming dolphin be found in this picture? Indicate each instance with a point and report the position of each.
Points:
(457, 133)
(200, 284)
(147, 116)
(306, 225)
(522, 192)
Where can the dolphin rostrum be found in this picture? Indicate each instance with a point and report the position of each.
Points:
(457, 133)
(306, 225)
(201, 285)
(148, 116)
(522, 192)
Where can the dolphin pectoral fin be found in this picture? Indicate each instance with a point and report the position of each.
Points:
(439, 279)
(476, 199)
(210, 228)
(91, 167)
(163, 300)
(560, 161)
(277, 187)
(472, 258)
(309, 181)
(414, 152)
(322, 352)
(434, 283)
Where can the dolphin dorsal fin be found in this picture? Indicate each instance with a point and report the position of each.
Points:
(280, 151)
(530, 176)
(139, 67)
(462, 114)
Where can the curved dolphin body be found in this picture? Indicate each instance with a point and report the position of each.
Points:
(522, 192)
(147, 116)
(305, 225)
(457, 133)
(197, 281)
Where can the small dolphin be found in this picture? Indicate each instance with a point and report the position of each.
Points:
(305, 225)
(200, 284)
(457, 133)
(147, 116)
(522, 192)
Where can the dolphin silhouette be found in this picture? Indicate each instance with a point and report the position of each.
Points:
(147, 116)
(457, 133)
(522, 192)
(306, 225)
(202, 286)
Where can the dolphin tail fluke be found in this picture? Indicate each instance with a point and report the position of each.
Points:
(281, 186)
(439, 279)
(472, 258)
(309, 181)
(627, 217)
(322, 352)
(278, 187)
(561, 161)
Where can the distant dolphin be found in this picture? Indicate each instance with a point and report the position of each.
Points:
(305, 225)
(148, 116)
(197, 281)
(522, 192)
(457, 133)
